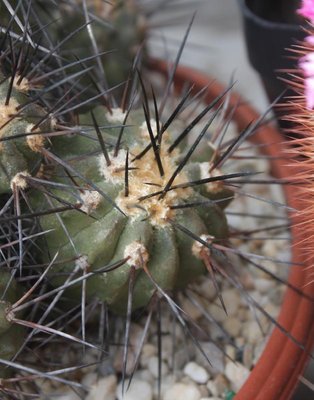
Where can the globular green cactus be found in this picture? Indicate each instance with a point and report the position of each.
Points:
(135, 210)
(11, 335)
(22, 123)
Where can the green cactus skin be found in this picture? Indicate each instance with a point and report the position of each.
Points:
(119, 28)
(20, 155)
(11, 335)
(102, 235)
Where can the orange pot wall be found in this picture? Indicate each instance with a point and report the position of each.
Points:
(277, 371)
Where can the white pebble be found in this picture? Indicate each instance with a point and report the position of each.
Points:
(233, 326)
(273, 311)
(182, 391)
(216, 311)
(190, 309)
(153, 366)
(166, 348)
(237, 374)
(89, 379)
(232, 299)
(218, 386)
(230, 351)
(104, 389)
(252, 332)
(215, 356)
(148, 351)
(211, 398)
(67, 396)
(275, 296)
(263, 285)
(269, 265)
(144, 375)
(138, 390)
(248, 355)
(258, 349)
(136, 332)
(207, 289)
(197, 373)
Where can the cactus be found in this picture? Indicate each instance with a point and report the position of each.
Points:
(148, 193)
(11, 335)
(22, 123)
(125, 205)
(300, 115)
(114, 33)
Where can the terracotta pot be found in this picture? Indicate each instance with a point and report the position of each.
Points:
(276, 373)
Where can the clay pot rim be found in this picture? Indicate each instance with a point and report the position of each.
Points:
(277, 371)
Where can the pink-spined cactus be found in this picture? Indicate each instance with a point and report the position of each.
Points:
(307, 61)
(307, 9)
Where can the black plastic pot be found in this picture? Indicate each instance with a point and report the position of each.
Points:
(271, 27)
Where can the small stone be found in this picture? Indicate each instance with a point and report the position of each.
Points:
(167, 382)
(248, 355)
(273, 311)
(233, 326)
(216, 311)
(215, 356)
(167, 347)
(148, 351)
(89, 379)
(89, 357)
(258, 350)
(210, 398)
(136, 333)
(232, 299)
(263, 285)
(153, 366)
(240, 341)
(218, 386)
(203, 389)
(211, 386)
(196, 372)
(105, 367)
(138, 390)
(207, 289)
(216, 333)
(252, 332)
(67, 396)
(231, 351)
(183, 355)
(275, 295)
(190, 309)
(237, 374)
(241, 314)
(269, 266)
(257, 296)
(144, 375)
(182, 391)
(247, 279)
(104, 389)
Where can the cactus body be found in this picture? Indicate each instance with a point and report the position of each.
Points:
(144, 232)
(118, 28)
(20, 139)
(11, 335)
